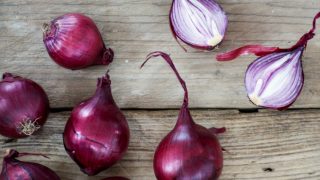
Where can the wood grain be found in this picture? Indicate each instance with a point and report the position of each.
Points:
(264, 145)
(135, 28)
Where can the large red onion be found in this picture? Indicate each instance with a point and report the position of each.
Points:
(74, 42)
(96, 135)
(201, 24)
(13, 169)
(24, 106)
(189, 151)
(275, 79)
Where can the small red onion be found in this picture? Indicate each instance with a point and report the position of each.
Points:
(116, 178)
(13, 169)
(73, 41)
(96, 135)
(189, 151)
(201, 24)
(24, 106)
(276, 79)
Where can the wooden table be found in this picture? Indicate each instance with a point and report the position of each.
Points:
(261, 144)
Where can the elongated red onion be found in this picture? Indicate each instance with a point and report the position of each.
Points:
(116, 178)
(276, 79)
(13, 169)
(24, 106)
(96, 135)
(201, 24)
(73, 41)
(189, 151)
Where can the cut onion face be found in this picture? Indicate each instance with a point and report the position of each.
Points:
(201, 24)
(275, 80)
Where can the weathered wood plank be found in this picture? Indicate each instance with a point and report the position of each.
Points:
(133, 29)
(265, 145)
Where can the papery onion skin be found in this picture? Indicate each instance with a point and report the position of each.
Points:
(201, 24)
(97, 135)
(275, 81)
(189, 151)
(116, 178)
(24, 106)
(73, 41)
(13, 169)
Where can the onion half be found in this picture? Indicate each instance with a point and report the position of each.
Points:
(276, 79)
(201, 24)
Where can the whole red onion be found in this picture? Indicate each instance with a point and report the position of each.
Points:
(116, 178)
(24, 106)
(13, 169)
(189, 151)
(96, 135)
(74, 42)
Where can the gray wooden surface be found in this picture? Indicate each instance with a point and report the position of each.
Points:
(265, 144)
(135, 28)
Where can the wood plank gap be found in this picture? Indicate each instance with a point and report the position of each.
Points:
(241, 110)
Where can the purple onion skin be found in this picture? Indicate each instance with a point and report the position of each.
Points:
(13, 169)
(97, 135)
(198, 33)
(115, 178)
(73, 41)
(24, 106)
(189, 151)
(280, 78)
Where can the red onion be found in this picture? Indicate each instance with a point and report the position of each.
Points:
(116, 178)
(13, 169)
(97, 135)
(189, 151)
(74, 42)
(201, 24)
(276, 79)
(24, 106)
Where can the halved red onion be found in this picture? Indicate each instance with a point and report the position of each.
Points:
(274, 80)
(201, 24)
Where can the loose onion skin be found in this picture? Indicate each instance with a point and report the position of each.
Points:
(13, 169)
(24, 106)
(73, 41)
(189, 151)
(96, 135)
